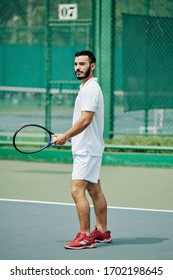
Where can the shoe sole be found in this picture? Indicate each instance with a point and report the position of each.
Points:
(79, 248)
(103, 241)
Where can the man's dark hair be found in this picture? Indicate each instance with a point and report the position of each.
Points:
(91, 56)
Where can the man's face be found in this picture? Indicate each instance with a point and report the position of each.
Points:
(82, 67)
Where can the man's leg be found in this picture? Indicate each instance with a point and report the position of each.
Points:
(100, 205)
(78, 189)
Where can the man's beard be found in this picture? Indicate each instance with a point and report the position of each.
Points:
(85, 75)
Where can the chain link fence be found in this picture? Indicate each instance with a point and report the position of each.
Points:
(38, 40)
(144, 67)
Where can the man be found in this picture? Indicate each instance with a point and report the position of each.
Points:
(86, 136)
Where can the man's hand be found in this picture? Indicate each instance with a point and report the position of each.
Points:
(59, 139)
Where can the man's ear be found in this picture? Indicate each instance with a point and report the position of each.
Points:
(93, 66)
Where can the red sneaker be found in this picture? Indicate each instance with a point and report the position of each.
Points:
(103, 237)
(81, 241)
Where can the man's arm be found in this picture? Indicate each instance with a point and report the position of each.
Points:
(81, 124)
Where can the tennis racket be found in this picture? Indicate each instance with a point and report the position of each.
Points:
(32, 138)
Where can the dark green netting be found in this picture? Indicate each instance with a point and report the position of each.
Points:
(147, 62)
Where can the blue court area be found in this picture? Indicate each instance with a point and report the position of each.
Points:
(38, 216)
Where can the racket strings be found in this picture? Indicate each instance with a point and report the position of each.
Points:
(31, 139)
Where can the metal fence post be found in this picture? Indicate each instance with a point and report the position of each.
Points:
(107, 62)
(48, 70)
(96, 18)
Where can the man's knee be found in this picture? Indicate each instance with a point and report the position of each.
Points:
(93, 190)
(78, 188)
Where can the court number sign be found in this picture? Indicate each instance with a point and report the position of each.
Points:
(68, 11)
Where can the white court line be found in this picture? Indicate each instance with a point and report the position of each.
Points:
(72, 204)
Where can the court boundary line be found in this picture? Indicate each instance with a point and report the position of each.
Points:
(72, 204)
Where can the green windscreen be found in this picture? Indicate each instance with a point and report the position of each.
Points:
(147, 62)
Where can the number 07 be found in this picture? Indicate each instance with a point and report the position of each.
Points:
(68, 11)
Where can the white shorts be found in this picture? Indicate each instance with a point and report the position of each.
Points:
(86, 168)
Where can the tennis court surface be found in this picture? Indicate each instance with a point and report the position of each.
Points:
(38, 215)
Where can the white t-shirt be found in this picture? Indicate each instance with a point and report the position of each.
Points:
(90, 141)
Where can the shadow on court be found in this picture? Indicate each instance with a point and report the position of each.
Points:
(31, 229)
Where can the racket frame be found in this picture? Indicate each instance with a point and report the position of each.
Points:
(49, 143)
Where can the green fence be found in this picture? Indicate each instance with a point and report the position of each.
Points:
(133, 43)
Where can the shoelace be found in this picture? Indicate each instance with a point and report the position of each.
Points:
(77, 236)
